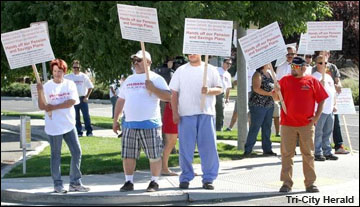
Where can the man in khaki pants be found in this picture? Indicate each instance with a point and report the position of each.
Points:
(300, 92)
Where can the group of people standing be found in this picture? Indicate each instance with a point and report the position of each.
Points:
(139, 99)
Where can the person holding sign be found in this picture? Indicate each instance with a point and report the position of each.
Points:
(61, 95)
(226, 84)
(325, 124)
(333, 71)
(84, 87)
(142, 124)
(261, 105)
(300, 93)
(196, 126)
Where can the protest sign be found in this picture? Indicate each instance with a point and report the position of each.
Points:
(263, 46)
(324, 35)
(303, 45)
(345, 105)
(28, 46)
(344, 102)
(139, 23)
(207, 37)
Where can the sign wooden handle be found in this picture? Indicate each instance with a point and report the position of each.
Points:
(279, 93)
(203, 96)
(41, 94)
(144, 60)
(347, 134)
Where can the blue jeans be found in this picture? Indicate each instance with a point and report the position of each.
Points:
(84, 107)
(337, 137)
(260, 117)
(72, 142)
(323, 130)
(200, 130)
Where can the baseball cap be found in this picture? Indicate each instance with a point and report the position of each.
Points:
(298, 61)
(139, 54)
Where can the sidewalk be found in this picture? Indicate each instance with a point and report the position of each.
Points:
(248, 178)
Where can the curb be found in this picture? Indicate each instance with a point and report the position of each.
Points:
(90, 199)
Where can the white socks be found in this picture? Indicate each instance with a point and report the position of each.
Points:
(153, 178)
(129, 178)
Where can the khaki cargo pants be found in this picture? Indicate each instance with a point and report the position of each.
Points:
(289, 137)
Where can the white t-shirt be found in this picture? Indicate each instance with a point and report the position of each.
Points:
(82, 82)
(187, 81)
(62, 120)
(330, 90)
(225, 78)
(283, 70)
(249, 80)
(139, 105)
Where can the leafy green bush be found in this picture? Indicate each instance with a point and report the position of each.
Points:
(17, 89)
(354, 85)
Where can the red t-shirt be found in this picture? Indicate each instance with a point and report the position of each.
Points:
(300, 95)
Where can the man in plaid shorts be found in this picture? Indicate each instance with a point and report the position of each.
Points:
(139, 98)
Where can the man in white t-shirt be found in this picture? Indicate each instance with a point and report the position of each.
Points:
(226, 85)
(325, 124)
(285, 68)
(196, 125)
(140, 100)
(84, 88)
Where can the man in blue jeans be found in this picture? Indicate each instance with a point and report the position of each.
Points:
(84, 88)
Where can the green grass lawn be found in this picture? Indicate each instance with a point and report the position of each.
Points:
(101, 155)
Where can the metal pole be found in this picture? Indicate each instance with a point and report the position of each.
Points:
(44, 72)
(242, 96)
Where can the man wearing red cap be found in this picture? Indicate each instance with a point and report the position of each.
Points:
(300, 93)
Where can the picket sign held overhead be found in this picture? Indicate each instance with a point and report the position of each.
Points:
(207, 37)
(139, 24)
(262, 47)
(326, 35)
(303, 45)
(26, 47)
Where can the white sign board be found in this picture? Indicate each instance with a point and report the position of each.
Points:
(249, 31)
(303, 45)
(207, 37)
(324, 35)
(283, 59)
(263, 46)
(344, 102)
(26, 47)
(139, 23)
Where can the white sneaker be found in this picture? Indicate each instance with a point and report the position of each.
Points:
(60, 189)
(78, 188)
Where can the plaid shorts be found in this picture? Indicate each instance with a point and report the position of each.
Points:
(150, 140)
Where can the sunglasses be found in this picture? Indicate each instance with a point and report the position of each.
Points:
(137, 60)
(294, 66)
(308, 56)
(320, 63)
(76, 67)
(290, 54)
(228, 63)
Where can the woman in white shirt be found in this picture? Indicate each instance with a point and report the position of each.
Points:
(60, 97)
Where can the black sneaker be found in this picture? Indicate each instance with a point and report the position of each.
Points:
(312, 189)
(208, 186)
(331, 157)
(184, 185)
(319, 158)
(285, 189)
(271, 153)
(128, 186)
(153, 186)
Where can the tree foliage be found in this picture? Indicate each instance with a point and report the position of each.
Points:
(90, 31)
(348, 12)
